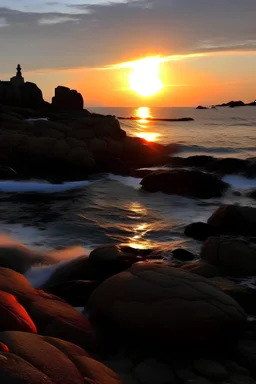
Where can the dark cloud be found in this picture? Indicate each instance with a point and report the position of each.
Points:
(104, 34)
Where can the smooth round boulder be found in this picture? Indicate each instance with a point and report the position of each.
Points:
(200, 231)
(182, 254)
(183, 182)
(236, 257)
(109, 260)
(13, 317)
(157, 305)
(234, 219)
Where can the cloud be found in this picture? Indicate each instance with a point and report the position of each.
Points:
(56, 20)
(92, 33)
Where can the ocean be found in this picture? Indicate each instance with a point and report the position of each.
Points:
(111, 209)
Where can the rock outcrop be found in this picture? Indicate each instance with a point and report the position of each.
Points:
(155, 305)
(236, 257)
(72, 145)
(234, 219)
(68, 99)
(27, 95)
(185, 183)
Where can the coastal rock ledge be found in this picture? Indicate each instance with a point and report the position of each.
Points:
(70, 145)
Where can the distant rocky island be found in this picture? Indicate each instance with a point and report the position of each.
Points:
(231, 104)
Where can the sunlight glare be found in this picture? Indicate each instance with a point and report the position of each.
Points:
(144, 79)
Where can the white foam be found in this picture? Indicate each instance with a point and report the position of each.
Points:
(240, 182)
(126, 180)
(40, 186)
(37, 276)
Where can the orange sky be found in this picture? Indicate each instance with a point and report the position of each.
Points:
(209, 79)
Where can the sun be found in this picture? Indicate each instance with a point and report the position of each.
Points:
(145, 77)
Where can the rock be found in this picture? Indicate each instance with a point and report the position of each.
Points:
(185, 183)
(153, 372)
(177, 307)
(228, 166)
(51, 315)
(200, 231)
(235, 369)
(246, 355)
(16, 284)
(239, 379)
(201, 107)
(204, 269)
(58, 319)
(111, 260)
(244, 296)
(236, 257)
(65, 98)
(26, 95)
(34, 359)
(234, 219)
(184, 375)
(182, 254)
(211, 369)
(76, 269)
(200, 161)
(76, 292)
(13, 317)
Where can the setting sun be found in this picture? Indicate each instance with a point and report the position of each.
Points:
(145, 77)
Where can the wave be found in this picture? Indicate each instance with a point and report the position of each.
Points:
(40, 186)
(214, 150)
(240, 182)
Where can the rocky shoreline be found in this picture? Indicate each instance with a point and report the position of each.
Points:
(145, 319)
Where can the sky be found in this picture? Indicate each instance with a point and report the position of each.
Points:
(209, 46)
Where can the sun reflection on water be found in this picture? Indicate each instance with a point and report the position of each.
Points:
(144, 124)
(137, 240)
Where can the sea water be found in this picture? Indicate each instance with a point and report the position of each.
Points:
(79, 216)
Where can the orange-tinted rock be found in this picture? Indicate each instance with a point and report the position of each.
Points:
(58, 319)
(33, 359)
(13, 317)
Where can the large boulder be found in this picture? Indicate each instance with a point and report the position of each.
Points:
(185, 183)
(33, 359)
(65, 98)
(156, 305)
(234, 219)
(234, 256)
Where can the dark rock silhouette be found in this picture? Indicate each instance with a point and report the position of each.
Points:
(17, 92)
(201, 107)
(239, 103)
(185, 183)
(68, 99)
